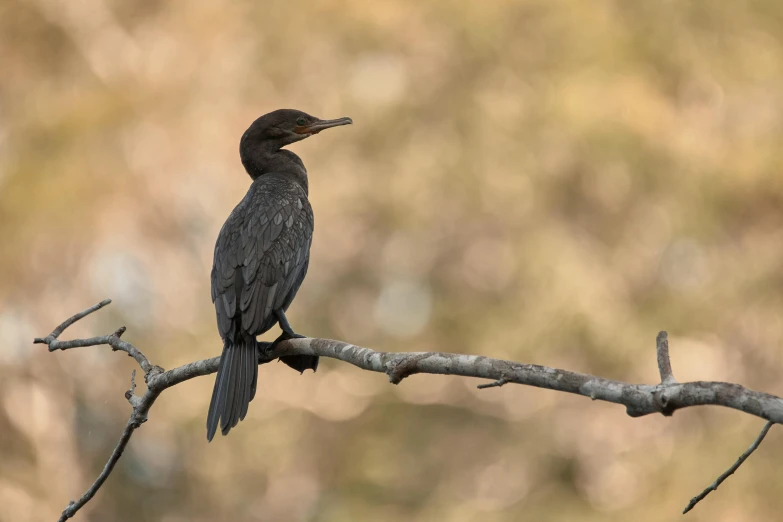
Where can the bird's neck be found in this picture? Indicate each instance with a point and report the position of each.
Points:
(279, 161)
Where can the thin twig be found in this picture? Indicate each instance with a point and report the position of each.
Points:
(68, 322)
(74, 506)
(113, 340)
(664, 364)
(712, 487)
(500, 382)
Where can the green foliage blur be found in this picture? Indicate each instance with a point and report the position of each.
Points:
(549, 181)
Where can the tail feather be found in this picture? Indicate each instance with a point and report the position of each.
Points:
(235, 387)
(213, 416)
(250, 378)
(233, 403)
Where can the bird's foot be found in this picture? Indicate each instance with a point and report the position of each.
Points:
(284, 337)
(267, 349)
(299, 363)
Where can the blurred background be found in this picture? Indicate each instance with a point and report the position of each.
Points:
(546, 181)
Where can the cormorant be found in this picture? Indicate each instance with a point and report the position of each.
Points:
(261, 258)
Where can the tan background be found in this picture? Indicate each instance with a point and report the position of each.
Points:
(546, 181)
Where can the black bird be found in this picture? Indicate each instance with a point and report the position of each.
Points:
(261, 258)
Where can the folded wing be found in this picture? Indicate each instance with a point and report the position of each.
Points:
(261, 257)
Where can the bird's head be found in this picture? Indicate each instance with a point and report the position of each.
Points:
(260, 146)
(282, 127)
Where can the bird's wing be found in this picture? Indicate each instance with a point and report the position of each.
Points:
(260, 256)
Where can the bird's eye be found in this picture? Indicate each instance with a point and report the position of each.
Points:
(301, 122)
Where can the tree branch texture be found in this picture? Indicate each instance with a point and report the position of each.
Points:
(639, 399)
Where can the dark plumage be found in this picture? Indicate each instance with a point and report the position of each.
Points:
(261, 258)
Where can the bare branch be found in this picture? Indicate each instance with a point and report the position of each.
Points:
(664, 364)
(132, 389)
(138, 416)
(75, 506)
(638, 399)
(112, 340)
(712, 487)
(68, 322)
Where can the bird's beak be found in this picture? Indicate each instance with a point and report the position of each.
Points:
(318, 126)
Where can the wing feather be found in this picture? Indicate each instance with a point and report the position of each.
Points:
(261, 255)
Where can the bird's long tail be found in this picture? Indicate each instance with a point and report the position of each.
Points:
(235, 386)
